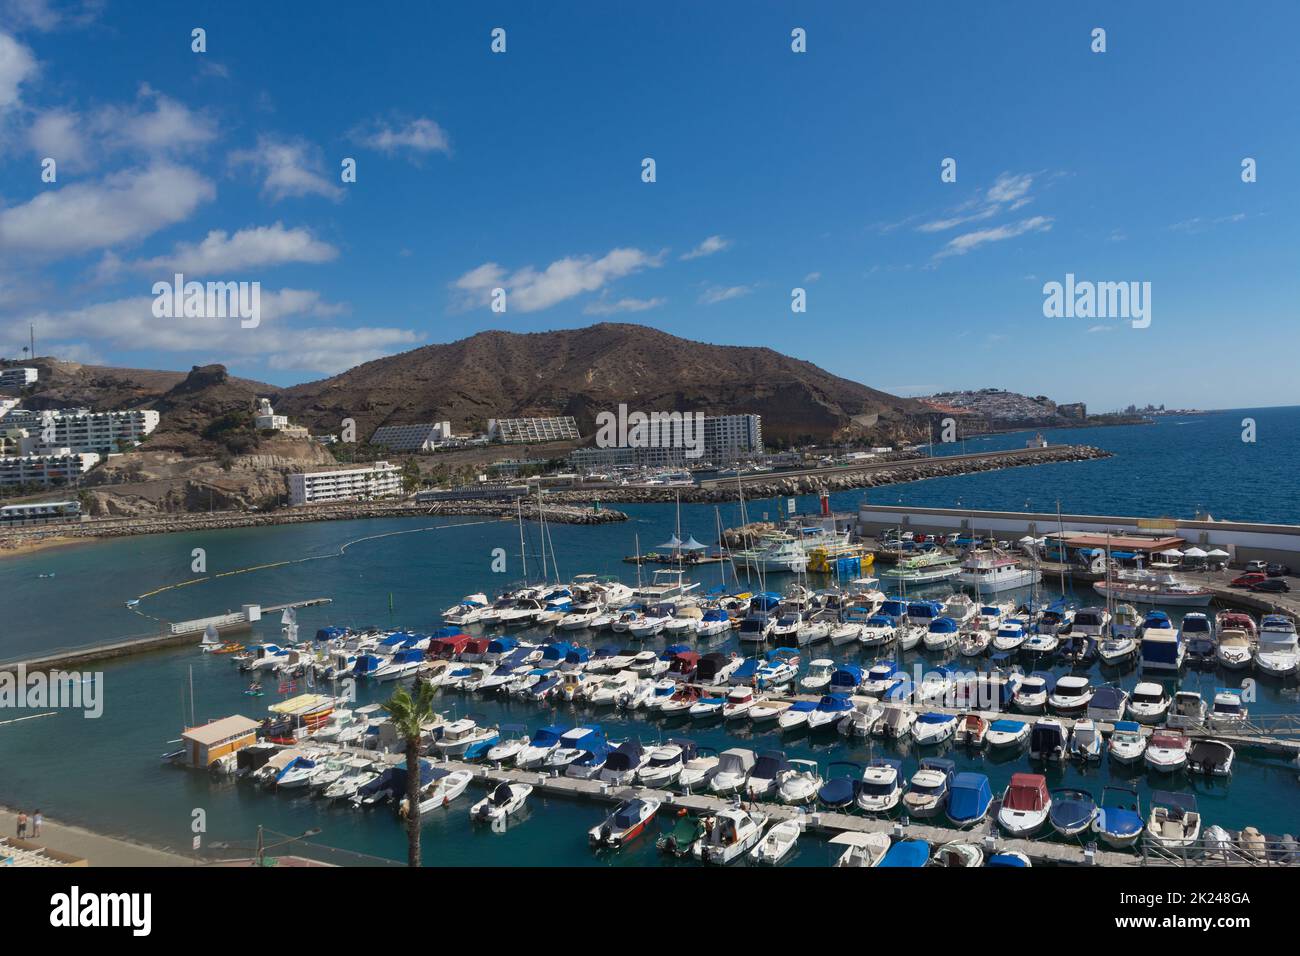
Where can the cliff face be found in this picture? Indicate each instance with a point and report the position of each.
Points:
(581, 372)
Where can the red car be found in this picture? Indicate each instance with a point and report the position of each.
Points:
(1249, 580)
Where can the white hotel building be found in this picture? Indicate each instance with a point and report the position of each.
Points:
(60, 466)
(19, 377)
(376, 480)
(83, 430)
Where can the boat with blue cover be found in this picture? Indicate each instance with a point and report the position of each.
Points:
(908, 853)
(1072, 811)
(969, 799)
(830, 710)
(1119, 822)
(796, 715)
(841, 787)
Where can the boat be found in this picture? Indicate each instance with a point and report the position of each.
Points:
(881, 677)
(1149, 703)
(1166, 751)
(1116, 649)
(818, 675)
(989, 571)
(933, 728)
(707, 708)
(1227, 712)
(1234, 650)
(1070, 696)
(974, 643)
(1118, 822)
(573, 743)
(1108, 704)
(1008, 859)
(840, 791)
(765, 710)
(1004, 734)
(626, 823)
(1073, 812)
(1162, 647)
(1145, 586)
(923, 613)
(1048, 740)
(812, 632)
(1197, 635)
(716, 668)
(732, 771)
(728, 835)
(508, 748)
(624, 763)
(796, 715)
(1091, 622)
(665, 584)
(877, 631)
(685, 831)
(756, 628)
(468, 610)
(1279, 649)
(1025, 805)
(958, 853)
(861, 721)
(960, 608)
(460, 735)
(942, 635)
(1213, 758)
(1085, 741)
(1127, 743)
(907, 853)
(971, 730)
(681, 701)
(846, 632)
(1010, 636)
(777, 843)
(764, 779)
(1174, 822)
(503, 801)
(665, 763)
(881, 787)
(830, 710)
(1030, 696)
(929, 567)
(445, 787)
(969, 799)
(800, 783)
(896, 721)
(860, 849)
(698, 770)
(1187, 711)
(927, 791)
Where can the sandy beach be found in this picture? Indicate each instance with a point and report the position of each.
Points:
(97, 850)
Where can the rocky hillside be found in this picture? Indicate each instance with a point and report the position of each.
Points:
(581, 372)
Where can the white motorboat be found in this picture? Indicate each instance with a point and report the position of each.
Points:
(733, 770)
(468, 610)
(604, 693)
(877, 631)
(507, 749)
(1234, 650)
(728, 835)
(1127, 742)
(933, 728)
(580, 616)
(818, 676)
(570, 746)
(1125, 621)
(943, 635)
(960, 608)
(765, 710)
(813, 632)
(881, 787)
(777, 843)
(1030, 697)
(1116, 649)
(706, 708)
(1174, 822)
(665, 764)
(685, 620)
(624, 763)
(1010, 636)
(799, 783)
(1227, 712)
(698, 770)
(764, 779)
(974, 643)
(1006, 734)
(861, 849)
(846, 633)
(1085, 741)
(361, 772)
(1091, 622)
(503, 801)
(714, 622)
(445, 787)
(1149, 703)
(1188, 711)
(927, 791)
(1146, 586)
(861, 721)
(989, 571)
(787, 624)
(958, 853)
(1166, 751)
(1048, 740)
(1213, 758)
(1026, 805)
(1279, 649)
(626, 823)
(459, 735)
(1071, 695)
(739, 702)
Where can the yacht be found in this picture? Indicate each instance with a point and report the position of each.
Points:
(929, 567)
(1091, 622)
(1234, 650)
(665, 585)
(1071, 695)
(1145, 586)
(942, 635)
(818, 676)
(1227, 712)
(1010, 636)
(877, 631)
(1166, 751)
(1279, 651)
(666, 763)
(991, 571)
(468, 610)
(1188, 710)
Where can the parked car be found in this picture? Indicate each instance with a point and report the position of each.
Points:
(1271, 585)
(1260, 566)
(1246, 580)
(1278, 570)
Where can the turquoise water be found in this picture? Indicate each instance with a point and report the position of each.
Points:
(105, 773)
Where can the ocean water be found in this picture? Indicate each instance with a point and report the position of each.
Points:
(105, 772)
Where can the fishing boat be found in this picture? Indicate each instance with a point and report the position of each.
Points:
(1085, 741)
(989, 571)
(1167, 751)
(1127, 743)
(503, 801)
(626, 823)
(1073, 812)
(1213, 758)
(445, 787)
(1006, 734)
(1279, 649)
(881, 787)
(1174, 822)
(1187, 711)
(800, 782)
(927, 791)
(728, 835)
(777, 843)
(1149, 703)
(733, 770)
(1048, 740)
(969, 799)
(1025, 805)
(1118, 823)
(860, 849)
(933, 728)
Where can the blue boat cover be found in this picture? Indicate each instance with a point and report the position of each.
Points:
(1004, 859)
(1118, 822)
(969, 797)
(803, 706)
(944, 625)
(837, 792)
(1009, 726)
(909, 853)
(935, 718)
(834, 702)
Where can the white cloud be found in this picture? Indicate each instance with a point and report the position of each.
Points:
(152, 126)
(257, 246)
(85, 216)
(960, 245)
(17, 65)
(45, 15)
(58, 133)
(418, 136)
(1009, 188)
(707, 248)
(812, 277)
(289, 169)
(605, 306)
(715, 294)
(528, 290)
(942, 225)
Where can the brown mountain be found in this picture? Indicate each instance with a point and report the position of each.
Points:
(102, 388)
(580, 372)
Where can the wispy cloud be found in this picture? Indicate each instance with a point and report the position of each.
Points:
(17, 65)
(715, 294)
(418, 137)
(708, 247)
(1199, 224)
(604, 306)
(529, 289)
(255, 247)
(960, 245)
(289, 169)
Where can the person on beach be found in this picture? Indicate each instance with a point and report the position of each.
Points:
(22, 824)
(37, 820)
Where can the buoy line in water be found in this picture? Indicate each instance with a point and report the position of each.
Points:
(338, 553)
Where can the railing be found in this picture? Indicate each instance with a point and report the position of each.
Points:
(1230, 852)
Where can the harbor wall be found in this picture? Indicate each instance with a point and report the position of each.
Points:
(1244, 541)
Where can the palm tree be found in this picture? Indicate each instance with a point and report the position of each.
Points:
(409, 715)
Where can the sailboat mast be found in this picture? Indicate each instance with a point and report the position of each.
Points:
(542, 523)
(523, 552)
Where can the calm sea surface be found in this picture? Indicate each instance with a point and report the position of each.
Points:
(105, 773)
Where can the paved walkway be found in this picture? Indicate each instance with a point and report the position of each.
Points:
(95, 849)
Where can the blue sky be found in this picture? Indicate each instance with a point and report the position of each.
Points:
(774, 170)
